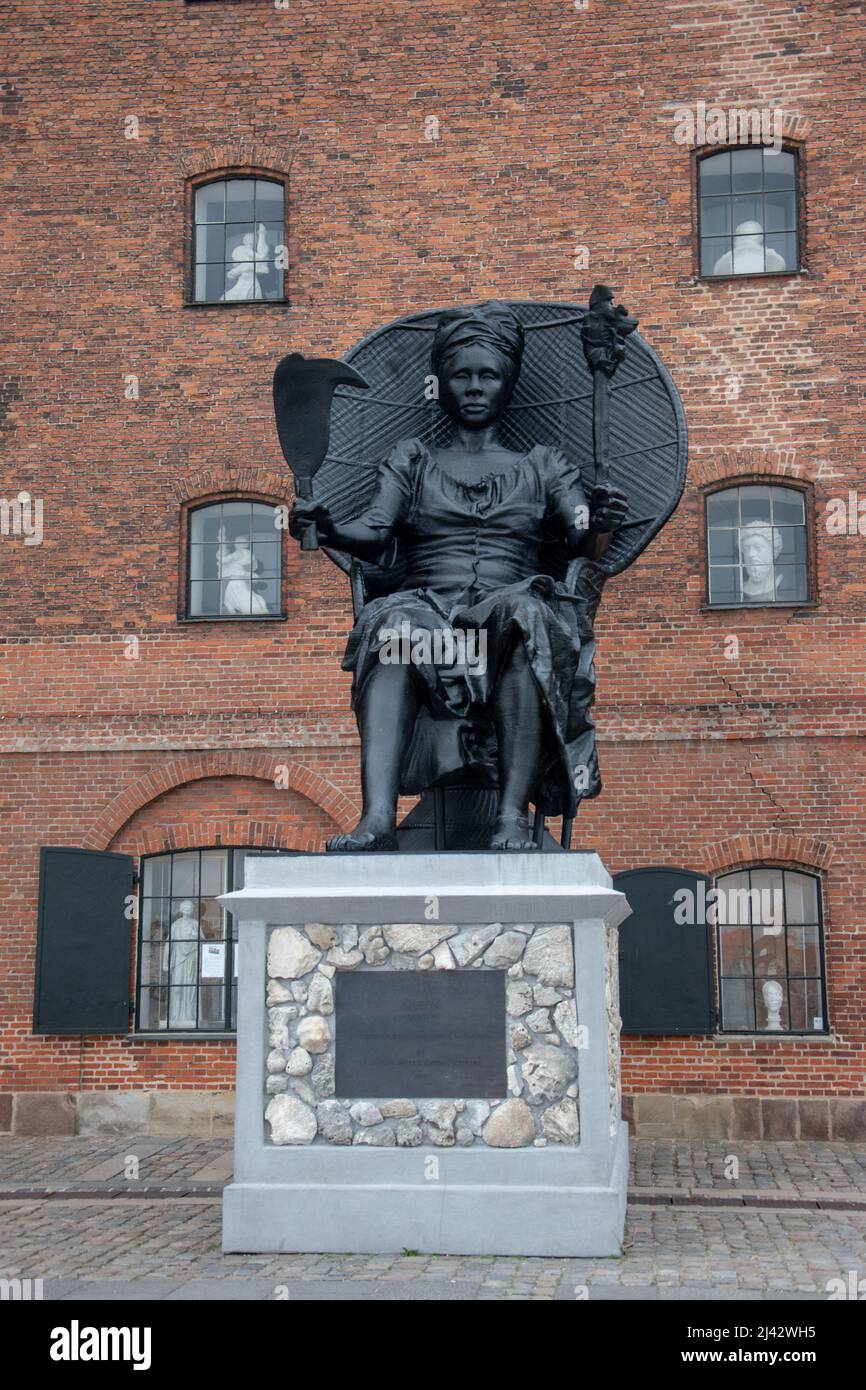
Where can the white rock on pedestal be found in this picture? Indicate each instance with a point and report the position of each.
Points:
(549, 956)
(414, 939)
(468, 947)
(505, 950)
(559, 1123)
(518, 998)
(320, 999)
(314, 1033)
(365, 1114)
(546, 1071)
(290, 954)
(565, 1018)
(334, 1123)
(299, 1063)
(290, 1120)
(511, 1126)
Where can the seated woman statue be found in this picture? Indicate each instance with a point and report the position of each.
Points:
(471, 520)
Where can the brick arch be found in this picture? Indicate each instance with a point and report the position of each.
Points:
(228, 830)
(796, 129)
(192, 767)
(747, 464)
(736, 851)
(219, 478)
(241, 155)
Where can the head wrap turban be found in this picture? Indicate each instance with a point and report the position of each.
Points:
(492, 325)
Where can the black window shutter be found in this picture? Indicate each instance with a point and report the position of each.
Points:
(83, 943)
(665, 968)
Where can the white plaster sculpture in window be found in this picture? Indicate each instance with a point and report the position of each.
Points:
(773, 994)
(243, 272)
(748, 256)
(239, 567)
(759, 545)
(180, 963)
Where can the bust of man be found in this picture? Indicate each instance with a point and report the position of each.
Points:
(749, 258)
(759, 545)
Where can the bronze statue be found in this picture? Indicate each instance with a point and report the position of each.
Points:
(474, 665)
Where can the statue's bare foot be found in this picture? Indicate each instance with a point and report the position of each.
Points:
(512, 832)
(371, 832)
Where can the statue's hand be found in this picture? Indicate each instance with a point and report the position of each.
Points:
(303, 512)
(607, 509)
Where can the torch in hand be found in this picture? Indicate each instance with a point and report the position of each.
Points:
(303, 389)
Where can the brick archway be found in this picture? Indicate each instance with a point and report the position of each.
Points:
(193, 767)
(770, 847)
(218, 479)
(748, 465)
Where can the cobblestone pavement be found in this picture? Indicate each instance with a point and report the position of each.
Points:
(101, 1246)
(659, 1166)
(171, 1249)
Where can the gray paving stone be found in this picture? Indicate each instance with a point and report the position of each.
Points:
(109, 1246)
(213, 1290)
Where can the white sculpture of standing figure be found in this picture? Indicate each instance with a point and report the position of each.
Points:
(180, 963)
(238, 567)
(243, 272)
(748, 258)
(773, 994)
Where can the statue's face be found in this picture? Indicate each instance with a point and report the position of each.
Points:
(474, 389)
(757, 552)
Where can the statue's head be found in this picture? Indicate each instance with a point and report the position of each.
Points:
(476, 359)
(759, 545)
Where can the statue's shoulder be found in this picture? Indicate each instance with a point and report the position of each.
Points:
(555, 463)
(405, 455)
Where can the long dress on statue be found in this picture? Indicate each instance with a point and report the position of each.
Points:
(472, 557)
(180, 962)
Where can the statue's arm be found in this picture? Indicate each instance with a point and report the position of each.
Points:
(587, 522)
(367, 535)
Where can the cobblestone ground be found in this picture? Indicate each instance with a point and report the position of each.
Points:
(105, 1246)
(805, 1169)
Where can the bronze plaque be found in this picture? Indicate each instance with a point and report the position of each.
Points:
(420, 1033)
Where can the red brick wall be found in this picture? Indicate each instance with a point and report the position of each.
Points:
(556, 132)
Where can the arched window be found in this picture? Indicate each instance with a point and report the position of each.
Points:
(770, 952)
(187, 949)
(749, 218)
(239, 251)
(234, 561)
(756, 546)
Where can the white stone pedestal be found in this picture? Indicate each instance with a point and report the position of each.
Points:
(328, 1173)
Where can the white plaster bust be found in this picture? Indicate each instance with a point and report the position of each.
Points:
(773, 995)
(749, 254)
(759, 543)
